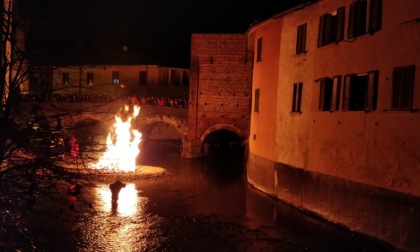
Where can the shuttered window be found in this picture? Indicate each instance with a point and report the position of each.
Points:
(297, 97)
(259, 49)
(329, 94)
(402, 88)
(325, 94)
(357, 19)
(375, 16)
(331, 27)
(301, 39)
(360, 91)
(257, 100)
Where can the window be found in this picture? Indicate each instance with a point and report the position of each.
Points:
(301, 39)
(164, 77)
(329, 95)
(297, 97)
(259, 49)
(175, 78)
(375, 16)
(185, 79)
(402, 88)
(360, 91)
(115, 77)
(66, 78)
(89, 78)
(143, 77)
(331, 27)
(257, 100)
(357, 19)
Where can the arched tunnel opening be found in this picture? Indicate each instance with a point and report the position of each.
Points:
(223, 145)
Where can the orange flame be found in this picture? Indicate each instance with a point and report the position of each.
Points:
(122, 146)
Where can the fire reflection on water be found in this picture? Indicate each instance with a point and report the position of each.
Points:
(127, 203)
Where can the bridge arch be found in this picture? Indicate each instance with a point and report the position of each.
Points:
(226, 130)
(180, 125)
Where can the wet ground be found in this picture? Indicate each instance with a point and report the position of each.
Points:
(194, 205)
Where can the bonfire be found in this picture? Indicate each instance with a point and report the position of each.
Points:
(122, 144)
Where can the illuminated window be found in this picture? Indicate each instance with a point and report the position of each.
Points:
(115, 77)
(375, 16)
(357, 19)
(89, 78)
(329, 94)
(257, 100)
(297, 97)
(360, 91)
(301, 39)
(331, 27)
(66, 78)
(402, 88)
(143, 77)
(259, 49)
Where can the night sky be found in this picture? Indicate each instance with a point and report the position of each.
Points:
(155, 31)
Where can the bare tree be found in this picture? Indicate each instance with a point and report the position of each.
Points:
(33, 147)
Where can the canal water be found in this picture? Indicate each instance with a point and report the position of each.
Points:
(195, 205)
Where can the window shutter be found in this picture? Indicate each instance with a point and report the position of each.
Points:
(329, 24)
(352, 17)
(397, 83)
(407, 91)
(294, 97)
(321, 31)
(301, 39)
(257, 100)
(371, 93)
(346, 92)
(340, 24)
(259, 49)
(322, 94)
(375, 16)
(361, 17)
(335, 95)
(299, 97)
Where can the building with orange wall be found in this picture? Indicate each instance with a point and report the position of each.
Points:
(335, 114)
(113, 80)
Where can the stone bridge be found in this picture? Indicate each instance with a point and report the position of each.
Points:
(92, 121)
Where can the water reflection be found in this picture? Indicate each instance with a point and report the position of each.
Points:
(127, 203)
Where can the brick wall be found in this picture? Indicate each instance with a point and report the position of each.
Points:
(220, 83)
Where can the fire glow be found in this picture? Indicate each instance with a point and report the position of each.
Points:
(122, 144)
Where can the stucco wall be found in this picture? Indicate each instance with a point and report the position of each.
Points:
(265, 77)
(358, 169)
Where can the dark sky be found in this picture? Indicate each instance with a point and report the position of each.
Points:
(155, 31)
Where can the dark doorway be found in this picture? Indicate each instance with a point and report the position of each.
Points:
(223, 145)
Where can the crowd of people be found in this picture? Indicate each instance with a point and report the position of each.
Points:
(104, 98)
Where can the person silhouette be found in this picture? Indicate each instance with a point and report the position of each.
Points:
(115, 190)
